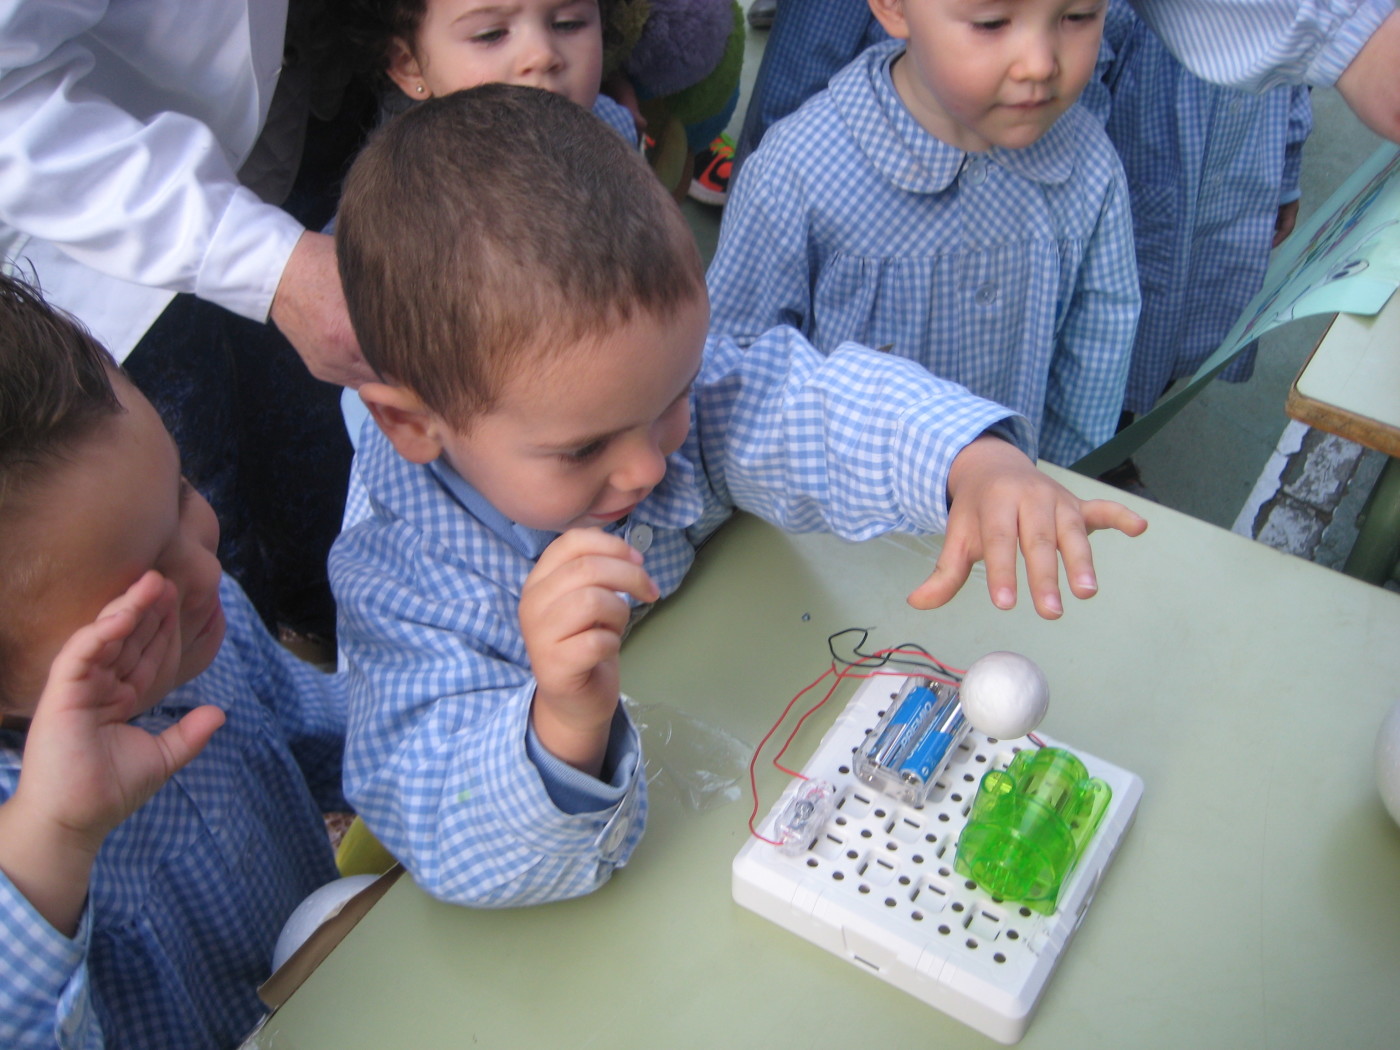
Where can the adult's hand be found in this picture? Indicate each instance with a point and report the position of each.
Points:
(1371, 84)
(309, 308)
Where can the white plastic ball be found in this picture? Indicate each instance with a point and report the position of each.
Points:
(322, 904)
(1388, 761)
(1005, 695)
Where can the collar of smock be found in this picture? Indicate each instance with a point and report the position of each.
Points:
(909, 157)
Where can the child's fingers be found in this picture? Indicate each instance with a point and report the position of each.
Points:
(949, 574)
(572, 660)
(1108, 514)
(149, 641)
(573, 610)
(588, 558)
(589, 572)
(1001, 540)
(578, 543)
(141, 595)
(1078, 557)
(188, 737)
(1041, 549)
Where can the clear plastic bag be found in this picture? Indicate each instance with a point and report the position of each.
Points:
(700, 763)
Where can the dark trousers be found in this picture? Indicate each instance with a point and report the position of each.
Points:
(259, 436)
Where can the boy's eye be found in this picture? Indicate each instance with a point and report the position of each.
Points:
(488, 36)
(991, 24)
(570, 25)
(584, 454)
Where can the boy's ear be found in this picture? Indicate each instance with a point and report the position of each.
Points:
(890, 15)
(411, 427)
(404, 70)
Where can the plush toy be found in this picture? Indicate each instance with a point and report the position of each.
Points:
(682, 57)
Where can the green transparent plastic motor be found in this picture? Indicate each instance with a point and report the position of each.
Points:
(1029, 825)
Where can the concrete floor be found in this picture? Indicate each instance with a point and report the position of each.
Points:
(1230, 456)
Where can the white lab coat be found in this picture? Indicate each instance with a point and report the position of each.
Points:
(122, 127)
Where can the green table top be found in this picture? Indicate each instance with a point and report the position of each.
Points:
(1252, 904)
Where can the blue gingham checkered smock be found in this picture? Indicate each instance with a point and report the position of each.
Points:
(1010, 272)
(439, 760)
(1207, 169)
(1252, 45)
(811, 40)
(1255, 45)
(189, 894)
(618, 117)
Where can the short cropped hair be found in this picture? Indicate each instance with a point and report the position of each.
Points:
(474, 223)
(55, 392)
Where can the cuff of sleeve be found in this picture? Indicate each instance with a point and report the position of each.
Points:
(516, 776)
(45, 981)
(932, 436)
(1346, 42)
(246, 256)
(573, 790)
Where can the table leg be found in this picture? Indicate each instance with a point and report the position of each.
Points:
(1377, 548)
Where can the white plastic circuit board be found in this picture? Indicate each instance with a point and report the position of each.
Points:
(877, 885)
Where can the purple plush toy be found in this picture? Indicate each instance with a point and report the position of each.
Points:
(681, 43)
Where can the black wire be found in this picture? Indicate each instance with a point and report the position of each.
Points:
(933, 666)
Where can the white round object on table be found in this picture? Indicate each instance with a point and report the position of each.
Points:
(1388, 761)
(1005, 695)
(306, 918)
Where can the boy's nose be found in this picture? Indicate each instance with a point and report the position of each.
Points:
(642, 469)
(1037, 59)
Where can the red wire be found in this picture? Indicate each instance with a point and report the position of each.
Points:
(753, 776)
(841, 675)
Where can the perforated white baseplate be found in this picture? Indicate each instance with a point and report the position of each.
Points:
(877, 884)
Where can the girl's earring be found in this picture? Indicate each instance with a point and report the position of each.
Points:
(419, 89)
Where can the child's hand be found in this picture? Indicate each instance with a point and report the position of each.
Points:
(572, 617)
(1285, 221)
(999, 501)
(85, 769)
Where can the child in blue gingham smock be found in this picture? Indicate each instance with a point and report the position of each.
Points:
(1213, 177)
(442, 760)
(164, 762)
(497, 548)
(189, 894)
(1009, 270)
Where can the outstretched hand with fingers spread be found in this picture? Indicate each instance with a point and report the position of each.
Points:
(1000, 503)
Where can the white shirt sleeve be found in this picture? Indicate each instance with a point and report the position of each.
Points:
(1256, 45)
(154, 200)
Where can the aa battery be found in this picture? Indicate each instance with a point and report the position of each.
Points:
(902, 729)
(941, 732)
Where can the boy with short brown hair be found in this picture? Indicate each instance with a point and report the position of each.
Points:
(555, 437)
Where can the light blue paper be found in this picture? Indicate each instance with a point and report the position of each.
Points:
(1345, 259)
